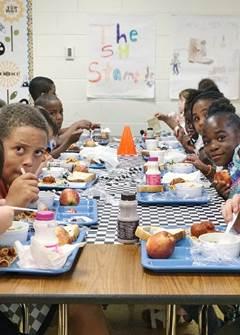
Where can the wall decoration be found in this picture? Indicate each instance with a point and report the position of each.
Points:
(205, 47)
(121, 57)
(15, 49)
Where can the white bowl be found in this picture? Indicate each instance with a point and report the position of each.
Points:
(56, 172)
(182, 168)
(227, 245)
(45, 200)
(66, 155)
(17, 232)
(188, 190)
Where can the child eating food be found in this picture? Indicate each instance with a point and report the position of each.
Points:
(221, 138)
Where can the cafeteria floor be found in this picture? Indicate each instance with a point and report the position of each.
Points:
(128, 321)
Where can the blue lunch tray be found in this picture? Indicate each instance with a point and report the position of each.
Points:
(13, 268)
(97, 166)
(170, 198)
(181, 261)
(87, 209)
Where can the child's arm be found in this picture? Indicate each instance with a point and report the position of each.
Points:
(168, 119)
(232, 206)
(6, 216)
(207, 170)
(64, 141)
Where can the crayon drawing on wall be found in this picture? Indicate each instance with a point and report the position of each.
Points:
(15, 45)
(205, 47)
(121, 57)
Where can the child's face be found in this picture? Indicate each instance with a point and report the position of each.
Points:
(199, 114)
(220, 140)
(188, 123)
(52, 90)
(23, 148)
(55, 109)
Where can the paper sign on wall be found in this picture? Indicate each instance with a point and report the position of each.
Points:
(14, 50)
(121, 57)
(205, 47)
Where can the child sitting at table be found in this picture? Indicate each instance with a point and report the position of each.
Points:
(24, 134)
(66, 136)
(221, 139)
(40, 85)
(199, 109)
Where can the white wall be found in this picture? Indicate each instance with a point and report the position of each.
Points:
(60, 23)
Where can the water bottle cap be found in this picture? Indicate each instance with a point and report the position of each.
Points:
(45, 215)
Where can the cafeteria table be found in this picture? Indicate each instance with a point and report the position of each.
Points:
(110, 273)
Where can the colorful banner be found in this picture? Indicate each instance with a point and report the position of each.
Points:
(15, 50)
(121, 57)
(205, 47)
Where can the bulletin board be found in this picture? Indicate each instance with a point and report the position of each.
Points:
(205, 47)
(121, 57)
(15, 50)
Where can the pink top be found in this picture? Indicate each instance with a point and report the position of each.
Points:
(45, 215)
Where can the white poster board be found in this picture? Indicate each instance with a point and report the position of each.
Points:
(205, 47)
(15, 41)
(121, 57)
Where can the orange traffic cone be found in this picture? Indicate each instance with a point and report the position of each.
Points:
(127, 145)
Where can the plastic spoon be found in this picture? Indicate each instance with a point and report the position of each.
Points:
(231, 223)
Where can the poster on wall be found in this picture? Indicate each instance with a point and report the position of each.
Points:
(121, 57)
(15, 50)
(205, 47)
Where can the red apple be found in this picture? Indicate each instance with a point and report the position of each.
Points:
(69, 197)
(223, 176)
(160, 245)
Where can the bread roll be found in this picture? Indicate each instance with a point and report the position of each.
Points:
(150, 188)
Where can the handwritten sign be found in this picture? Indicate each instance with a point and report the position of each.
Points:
(121, 58)
(15, 40)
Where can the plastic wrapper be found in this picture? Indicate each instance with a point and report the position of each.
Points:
(99, 192)
(101, 154)
(211, 253)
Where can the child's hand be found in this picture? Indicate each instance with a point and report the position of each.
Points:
(82, 124)
(195, 160)
(23, 190)
(6, 216)
(160, 116)
(232, 206)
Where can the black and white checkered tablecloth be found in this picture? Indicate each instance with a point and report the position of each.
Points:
(126, 180)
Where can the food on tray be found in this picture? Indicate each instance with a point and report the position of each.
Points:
(7, 256)
(202, 227)
(223, 176)
(71, 210)
(160, 245)
(145, 232)
(80, 168)
(69, 197)
(89, 143)
(68, 234)
(81, 177)
(150, 188)
(73, 147)
(71, 160)
(175, 181)
(189, 190)
(25, 216)
(48, 180)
